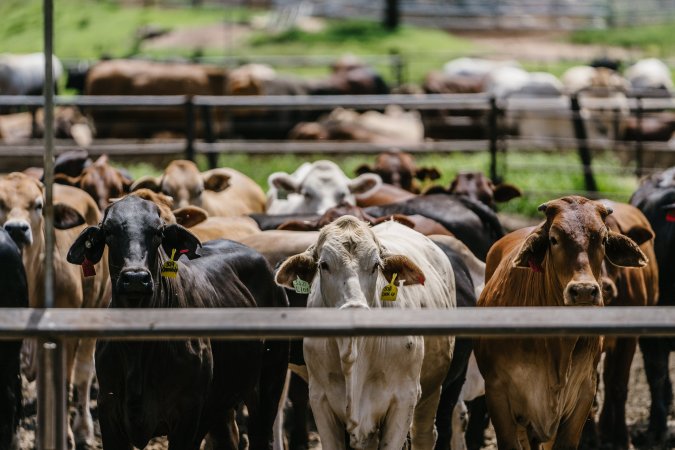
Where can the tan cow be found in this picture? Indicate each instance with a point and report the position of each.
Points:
(221, 192)
(21, 203)
(541, 390)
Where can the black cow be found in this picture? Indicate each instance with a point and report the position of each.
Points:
(14, 294)
(182, 389)
(475, 224)
(655, 197)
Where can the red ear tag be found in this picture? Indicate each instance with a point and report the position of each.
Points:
(670, 216)
(535, 267)
(185, 250)
(88, 269)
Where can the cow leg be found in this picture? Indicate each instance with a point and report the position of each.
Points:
(331, 429)
(618, 359)
(112, 435)
(298, 394)
(506, 429)
(263, 409)
(83, 425)
(569, 431)
(460, 420)
(186, 434)
(478, 422)
(655, 354)
(445, 411)
(224, 434)
(396, 425)
(424, 430)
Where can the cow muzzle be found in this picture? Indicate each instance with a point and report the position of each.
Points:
(583, 294)
(20, 232)
(134, 282)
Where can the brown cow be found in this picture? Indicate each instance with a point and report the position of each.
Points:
(383, 195)
(136, 77)
(545, 386)
(21, 202)
(399, 169)
(632, 288)
(221, 192)
(100, 180)
(477, 186)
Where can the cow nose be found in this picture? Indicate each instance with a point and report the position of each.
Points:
(135, 281)
(584, 294)
(19, 231)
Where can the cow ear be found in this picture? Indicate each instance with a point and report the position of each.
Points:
(640, 234)
(66, 217)
(504, 192)
(216, 182)
(430, 173)
(363, 168)
(190, 216)
(175, 237)
(147, 182)
(302, 266)
(404, 268)
(298, 225)
(283, 181)
(533, 250)
(623, 252)
(62, 178)
(88, 245)
(365, 184)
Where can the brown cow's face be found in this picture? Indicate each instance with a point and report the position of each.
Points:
(21, 205)
(103, 182)
(474, 185)
(571, 245)
(183, 182)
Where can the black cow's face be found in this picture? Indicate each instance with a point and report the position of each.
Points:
(133, 231)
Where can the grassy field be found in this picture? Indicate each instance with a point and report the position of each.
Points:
(655, 40)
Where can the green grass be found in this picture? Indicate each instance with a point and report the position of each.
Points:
(541, 176)
(655, 40)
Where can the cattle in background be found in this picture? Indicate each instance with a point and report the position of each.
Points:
(25, 74)
(383, 195)
(182, 389)
(374, 388)
(136, 77)
(315, 187)
(100, 180)
(399, 169)
(628, 287)
(221, 192)
(393, 127)
(555, 264)
(69, 123)
(14, 295)
(21, 202)
(651, 76)
(470, 221)
(655, 197)
(477, 186)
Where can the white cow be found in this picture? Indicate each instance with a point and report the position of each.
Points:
(650, 74)
(315, 187)
(374, 388)
(25, 74)
(474, 67)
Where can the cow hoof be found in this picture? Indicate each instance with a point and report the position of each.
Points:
(650, 440)
(83, 430)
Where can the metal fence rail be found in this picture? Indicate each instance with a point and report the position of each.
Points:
(246, 323)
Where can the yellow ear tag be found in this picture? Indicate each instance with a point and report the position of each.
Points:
(390, 291)
(170, 268)
(301, 286)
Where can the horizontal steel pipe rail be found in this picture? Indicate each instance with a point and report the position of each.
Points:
(245, 323)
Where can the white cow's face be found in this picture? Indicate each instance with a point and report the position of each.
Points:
(349, 260)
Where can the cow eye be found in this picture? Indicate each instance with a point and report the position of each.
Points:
(553, 241)
(324, 266)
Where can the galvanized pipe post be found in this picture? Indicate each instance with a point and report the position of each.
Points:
(52, 401)
(639, 149)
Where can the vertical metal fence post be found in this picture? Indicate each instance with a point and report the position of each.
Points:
(189, 129)
(492, 129)
(52, 401)
(582, 144)
(209, 136)
(639, 150)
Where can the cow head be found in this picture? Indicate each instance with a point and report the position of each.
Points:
(183, 182)
(349, 259)
(322, 186)
(570, 246)
(133, 230)
(478, 187)
(100, 180)
(399, 169)
(21, 208)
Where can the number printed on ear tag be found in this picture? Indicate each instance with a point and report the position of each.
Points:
(301, 286)
(170, 268)
(390, 291)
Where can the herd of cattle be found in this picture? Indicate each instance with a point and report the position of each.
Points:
(603, 94)
(319, 238)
